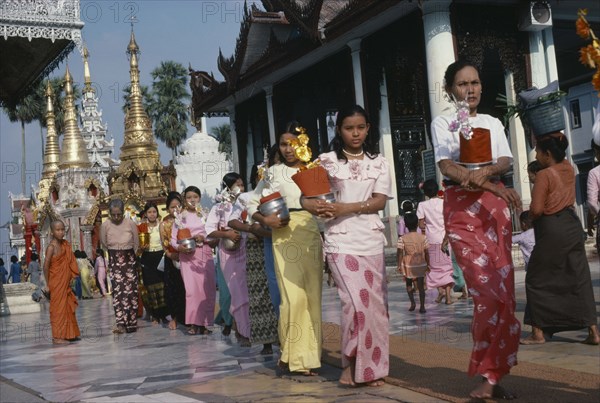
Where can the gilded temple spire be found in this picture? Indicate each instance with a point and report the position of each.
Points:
(87, 79)
(73, 152)
(52, 151)
(138, 126)
(140, 172)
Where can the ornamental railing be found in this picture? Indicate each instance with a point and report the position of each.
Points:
(62, 12)
(48, 19)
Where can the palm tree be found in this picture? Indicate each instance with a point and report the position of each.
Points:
(223, 134)
(170, 112)
(147, 99)
(24, 112)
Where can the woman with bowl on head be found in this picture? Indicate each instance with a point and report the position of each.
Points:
(197, 265)
(354, 245)
(558, 282)
(298, 255)
(478, 224)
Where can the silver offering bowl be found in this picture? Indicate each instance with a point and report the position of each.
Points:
(272, 206)
(189, 243)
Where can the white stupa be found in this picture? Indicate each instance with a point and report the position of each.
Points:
(201, 164)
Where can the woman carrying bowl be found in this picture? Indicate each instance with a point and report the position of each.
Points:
(354, 245)
(197, 265)
(298, 255)
(478, 224)
(232, 254)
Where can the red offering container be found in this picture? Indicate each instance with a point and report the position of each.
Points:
(313, 182)
(270, 197)
(477, 150)
(183, 233)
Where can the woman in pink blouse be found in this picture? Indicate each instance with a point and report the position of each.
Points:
(120, 236)
(197, 266)
(354, 242)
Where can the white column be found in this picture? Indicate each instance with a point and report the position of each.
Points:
(518, 146)
(270, 114)
(387, 149)
(550, 55)
(235, 156)
(439, 51)
(537, 56)
(354, 46)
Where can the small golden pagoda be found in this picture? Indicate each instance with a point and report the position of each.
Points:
(73, 152)
(52, 150)
(138, 177)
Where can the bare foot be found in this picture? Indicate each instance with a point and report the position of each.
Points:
(347, 377)
(413, 306)
(483, 391)
(449, 302)
(422, 310)
(532, 340)
(173, 324)
(376, 382)
(60, 341)
(591, 340)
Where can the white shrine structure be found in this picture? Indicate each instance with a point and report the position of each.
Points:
(201, 164)
(93, 130)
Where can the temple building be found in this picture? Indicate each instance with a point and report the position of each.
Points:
(305, 60)
(138, 178)
(201, 164)
(99, 148)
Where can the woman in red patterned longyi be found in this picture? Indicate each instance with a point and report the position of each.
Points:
(472, 153)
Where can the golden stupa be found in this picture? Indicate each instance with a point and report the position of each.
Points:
(139, 173)
(52, 150)
(73, 152)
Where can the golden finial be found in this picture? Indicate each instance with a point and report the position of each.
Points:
(87, 79)
(52, 150)
(73, 153)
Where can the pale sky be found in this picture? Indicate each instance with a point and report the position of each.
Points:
(189, 31)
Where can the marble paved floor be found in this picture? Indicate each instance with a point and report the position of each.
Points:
(156, 364)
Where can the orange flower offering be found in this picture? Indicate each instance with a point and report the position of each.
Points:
(312, 178)
(589, 55)
(143, 228)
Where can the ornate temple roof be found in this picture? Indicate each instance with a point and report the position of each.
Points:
(35, 36)
(279, 35)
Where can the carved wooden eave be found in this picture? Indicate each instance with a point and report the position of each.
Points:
(230, 67)
(35, 36)
(305, 15)
(353, 13)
